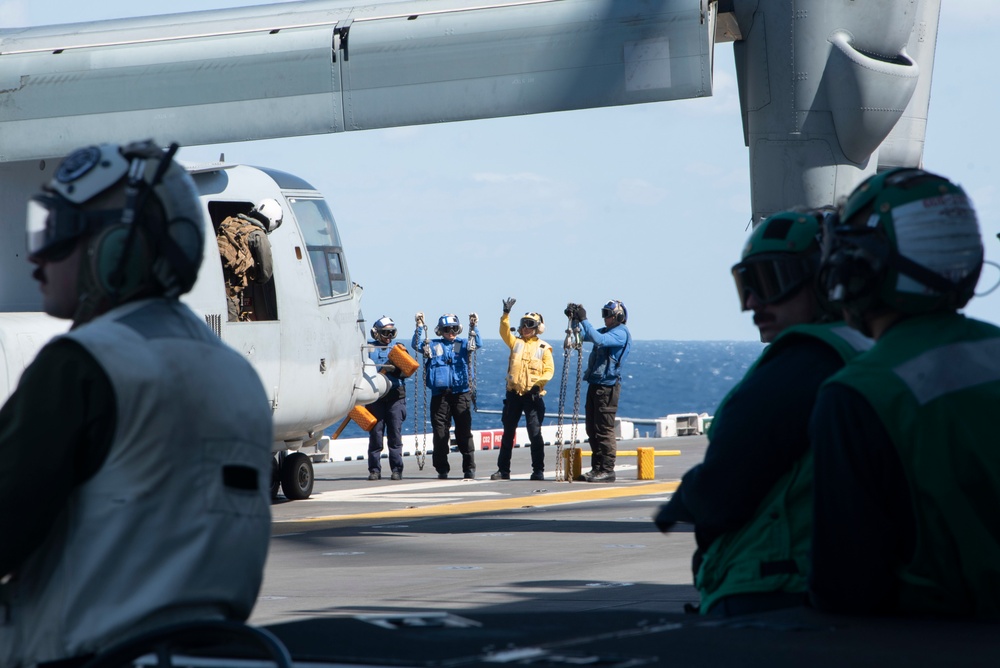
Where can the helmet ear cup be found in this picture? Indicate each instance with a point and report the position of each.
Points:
(541, 325)
(852, 275)
(617, 308)
(113, 280)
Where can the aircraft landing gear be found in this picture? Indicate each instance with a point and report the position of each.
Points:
(275, 477)
(294, 471)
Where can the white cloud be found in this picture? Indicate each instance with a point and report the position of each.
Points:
(639, 191)
(976, 12)
(522, 177)
(14, 12)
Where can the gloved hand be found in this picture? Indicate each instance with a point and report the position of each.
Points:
(419, 317)
(570, 310)
(664, 519)
(535, 392)
(508, 304)
(581, 313)
(473, 320)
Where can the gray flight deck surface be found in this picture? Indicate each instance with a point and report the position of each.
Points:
(451, 573)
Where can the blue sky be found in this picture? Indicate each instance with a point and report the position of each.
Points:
(648, 203)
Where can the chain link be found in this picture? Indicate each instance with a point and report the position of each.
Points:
(570, 343)
(473, 353)
(421, 433)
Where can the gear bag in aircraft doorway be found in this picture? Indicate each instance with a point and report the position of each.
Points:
(245, 253)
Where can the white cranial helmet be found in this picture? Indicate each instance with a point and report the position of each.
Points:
(270, 212)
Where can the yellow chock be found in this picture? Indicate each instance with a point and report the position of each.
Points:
(572, 469)
(646, 458)
(363, 417)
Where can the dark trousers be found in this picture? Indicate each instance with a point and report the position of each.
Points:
(748, 604)
(602, 406)
(390, 413)
(533, 408)
(445, 408)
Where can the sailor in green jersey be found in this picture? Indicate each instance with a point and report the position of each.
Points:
(750, 500)
(907, 468)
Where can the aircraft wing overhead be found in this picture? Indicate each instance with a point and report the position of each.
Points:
(317, 66)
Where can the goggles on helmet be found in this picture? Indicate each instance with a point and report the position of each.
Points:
(387, 332)
(772, 278)
(612, 309)
(451, 329)
(54, 225)
(530, 323)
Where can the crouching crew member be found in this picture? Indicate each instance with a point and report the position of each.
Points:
(750, 499)
(157, 504)
(907, 469)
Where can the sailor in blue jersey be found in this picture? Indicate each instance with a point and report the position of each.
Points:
(447, 374)
(389, 411)
(907, 468)
(612, 344)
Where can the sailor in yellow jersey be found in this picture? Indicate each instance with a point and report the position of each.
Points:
(529, 369)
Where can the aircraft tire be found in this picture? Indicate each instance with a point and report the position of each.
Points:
(297, 476)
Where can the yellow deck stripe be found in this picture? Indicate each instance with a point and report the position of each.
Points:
(280, 527)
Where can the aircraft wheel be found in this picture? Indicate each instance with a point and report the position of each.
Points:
(297, 476)
(275, 478)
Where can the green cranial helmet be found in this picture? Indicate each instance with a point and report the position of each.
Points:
(906, 239)
(781, 255)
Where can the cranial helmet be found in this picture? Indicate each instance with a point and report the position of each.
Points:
(269, 212)
(615, 309)
(534, 321)
(137, 210)
(906, 239)
(384, 327)
(781, 255)
(448, 320)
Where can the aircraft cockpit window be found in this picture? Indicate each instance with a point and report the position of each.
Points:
(326, 256)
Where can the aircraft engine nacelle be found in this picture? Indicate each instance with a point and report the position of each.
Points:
(825, 87)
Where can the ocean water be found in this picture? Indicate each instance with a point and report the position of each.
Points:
(660, 378)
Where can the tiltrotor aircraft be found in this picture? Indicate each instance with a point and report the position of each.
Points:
(830, 91)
